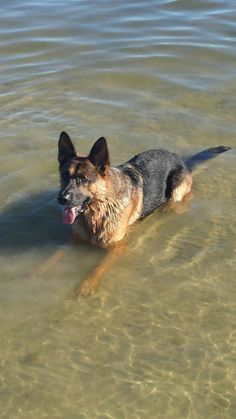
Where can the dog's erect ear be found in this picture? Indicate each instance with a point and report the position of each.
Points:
(99, 155)
(66, 149)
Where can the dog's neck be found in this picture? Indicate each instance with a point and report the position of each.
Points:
(103, 215)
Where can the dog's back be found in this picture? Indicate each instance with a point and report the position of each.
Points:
(102, 201)
(157, 172)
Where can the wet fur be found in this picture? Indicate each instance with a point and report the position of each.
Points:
(115, 206)
(116, 198)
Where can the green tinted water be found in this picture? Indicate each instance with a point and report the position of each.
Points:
(158, 338)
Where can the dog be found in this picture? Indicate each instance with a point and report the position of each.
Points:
(102, 201)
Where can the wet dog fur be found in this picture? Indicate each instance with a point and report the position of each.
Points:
(102, 201)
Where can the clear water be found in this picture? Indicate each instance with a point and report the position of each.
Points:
(158, 338)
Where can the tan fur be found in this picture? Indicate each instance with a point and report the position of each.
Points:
(115, 206)
(182, 190)
(90, 285)
(71, 169)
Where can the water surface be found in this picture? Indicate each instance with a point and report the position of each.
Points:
(158, 338)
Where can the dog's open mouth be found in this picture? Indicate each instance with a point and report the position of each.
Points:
(70, 213)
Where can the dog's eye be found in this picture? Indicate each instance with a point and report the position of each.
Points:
(81, 179)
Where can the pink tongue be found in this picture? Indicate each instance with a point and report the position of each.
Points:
(69, 215)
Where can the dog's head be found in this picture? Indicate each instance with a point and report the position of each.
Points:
(83, 179)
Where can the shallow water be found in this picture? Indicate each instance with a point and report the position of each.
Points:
(158, 338)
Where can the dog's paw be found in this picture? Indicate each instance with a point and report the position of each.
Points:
(86, 289)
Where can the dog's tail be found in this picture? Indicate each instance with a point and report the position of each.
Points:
(201, 157)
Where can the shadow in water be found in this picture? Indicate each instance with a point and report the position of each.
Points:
(35, 221)
(32, 221)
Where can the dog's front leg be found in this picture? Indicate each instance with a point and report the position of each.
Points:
(90, 284)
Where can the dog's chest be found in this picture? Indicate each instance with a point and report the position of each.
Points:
(96, 231)
(104, 230)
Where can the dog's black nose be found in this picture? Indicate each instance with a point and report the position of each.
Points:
(64, 199)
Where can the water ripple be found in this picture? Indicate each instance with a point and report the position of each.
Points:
(159, 336)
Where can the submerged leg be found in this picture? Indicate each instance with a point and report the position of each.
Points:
(90, 284)
(48, 263)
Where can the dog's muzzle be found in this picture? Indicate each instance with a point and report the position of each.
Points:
(71, 212)
(73, 204)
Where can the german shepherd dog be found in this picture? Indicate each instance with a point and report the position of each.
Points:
(103, 201)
